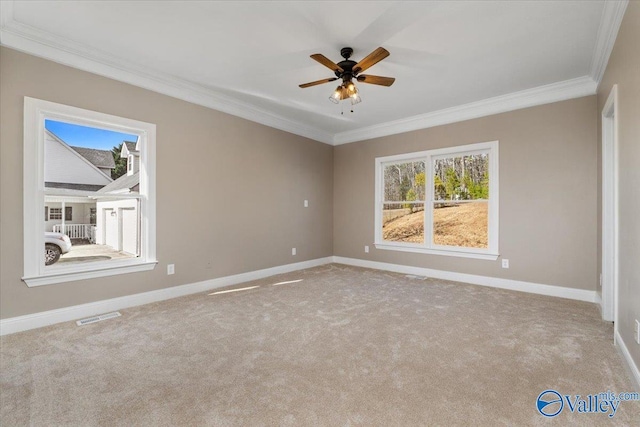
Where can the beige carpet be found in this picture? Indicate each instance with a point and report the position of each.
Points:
(337, 346)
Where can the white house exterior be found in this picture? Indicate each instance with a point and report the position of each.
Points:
(132, 154)
(118, 217)
(71, 175)
(66, 167)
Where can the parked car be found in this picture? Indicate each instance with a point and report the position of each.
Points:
(55, 244)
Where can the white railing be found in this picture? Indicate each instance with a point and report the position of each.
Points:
(77, 231)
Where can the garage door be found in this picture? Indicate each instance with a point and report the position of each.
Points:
(110, 228)
(129, 229)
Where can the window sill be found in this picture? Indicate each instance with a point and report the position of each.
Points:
(454, 253)
(53, 277)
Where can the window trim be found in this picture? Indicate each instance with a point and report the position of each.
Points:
(36, 111)
(53, 215)
(491, 252)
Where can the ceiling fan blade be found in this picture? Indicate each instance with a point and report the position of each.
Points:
(326, 62)
(318, 82)
(376, 80)
(373, 58)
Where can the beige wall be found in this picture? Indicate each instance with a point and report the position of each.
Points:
(229, 192)
(624, 70)
(548, 185)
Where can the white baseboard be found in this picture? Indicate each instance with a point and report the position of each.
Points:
(598, 302)
(633, 368)
(46, 318)
(494, 282)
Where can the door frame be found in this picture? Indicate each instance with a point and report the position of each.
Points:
(610, 185)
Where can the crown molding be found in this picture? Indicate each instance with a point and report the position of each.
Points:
(610, 22)
(555, 92)
(39, 43)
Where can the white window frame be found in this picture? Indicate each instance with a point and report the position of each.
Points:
(36, 111)
(428, 157)
(53, 216)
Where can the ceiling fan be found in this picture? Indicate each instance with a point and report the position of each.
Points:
(347, 70)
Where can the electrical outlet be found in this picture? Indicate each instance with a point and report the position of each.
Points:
(306, 203)
(505, 263)
(366, 249)
(171, 269)
(600, 280)
(637, 331)
(293, 251)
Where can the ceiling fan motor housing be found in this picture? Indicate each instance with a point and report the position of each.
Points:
(347, 70)
(346, 52)
(347, 65)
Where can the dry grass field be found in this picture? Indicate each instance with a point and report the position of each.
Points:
(464, 225)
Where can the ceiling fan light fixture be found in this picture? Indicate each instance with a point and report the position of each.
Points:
(349, 70)
(336, 96)
(351, 89)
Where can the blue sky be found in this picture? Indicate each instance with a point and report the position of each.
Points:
(83, 136)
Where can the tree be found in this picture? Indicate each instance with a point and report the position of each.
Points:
(420, 185)
(439, 188)
(121, 164)
(452, 184)
(405, 186)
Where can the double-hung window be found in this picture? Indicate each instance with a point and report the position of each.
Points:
(108, 222)
(442, 201)
(55, 213)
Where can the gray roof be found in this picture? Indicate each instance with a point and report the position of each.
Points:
(131, 146)
(99, 158)
(71, 186)
(129, 182)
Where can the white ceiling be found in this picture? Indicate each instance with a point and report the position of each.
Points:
(247, 58)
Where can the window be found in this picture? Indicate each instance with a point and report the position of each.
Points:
(76, 178)
(55, 213)
(441, 201)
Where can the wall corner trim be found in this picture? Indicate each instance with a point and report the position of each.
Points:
(610, 22)
(631, 365)
(494, 282)
(51, 317)
(34, 41)
(541, 95)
